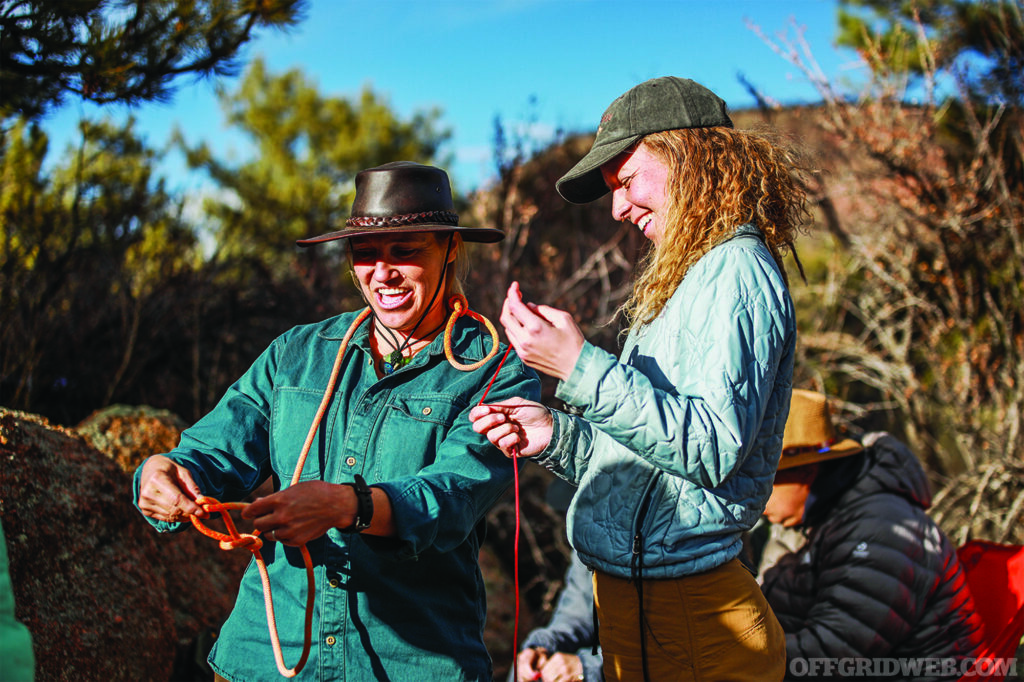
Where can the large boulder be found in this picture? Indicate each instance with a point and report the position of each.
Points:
(105, 597)
(80, 558)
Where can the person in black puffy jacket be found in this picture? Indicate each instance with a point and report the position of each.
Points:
(876, 591)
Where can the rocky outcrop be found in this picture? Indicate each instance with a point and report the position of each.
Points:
(104, 596)
(80, 558)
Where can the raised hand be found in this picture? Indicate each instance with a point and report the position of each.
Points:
(546, 338)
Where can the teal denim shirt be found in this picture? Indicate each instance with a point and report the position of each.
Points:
(675, 443)
(406, 608)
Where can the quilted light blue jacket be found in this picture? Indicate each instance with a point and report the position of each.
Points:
(675, 443)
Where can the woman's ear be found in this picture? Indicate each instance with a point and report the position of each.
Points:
(453, 252)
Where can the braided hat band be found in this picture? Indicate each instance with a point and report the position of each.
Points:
(424, 217)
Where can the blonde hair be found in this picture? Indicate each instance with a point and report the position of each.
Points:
(719, 179)
(457, 269)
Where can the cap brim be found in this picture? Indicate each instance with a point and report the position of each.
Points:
(584, 182)
(487, 235)
(843, 448)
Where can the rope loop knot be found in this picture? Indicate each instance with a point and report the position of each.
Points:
(252, 542)
(460, 307)
(233, 539)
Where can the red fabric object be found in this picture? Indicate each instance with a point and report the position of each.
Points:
(995, 574)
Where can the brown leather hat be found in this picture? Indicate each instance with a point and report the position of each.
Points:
(404, 197)
(809, 436)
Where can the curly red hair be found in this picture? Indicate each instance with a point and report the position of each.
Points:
(719, 179)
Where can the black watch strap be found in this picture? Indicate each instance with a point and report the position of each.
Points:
(364, 508)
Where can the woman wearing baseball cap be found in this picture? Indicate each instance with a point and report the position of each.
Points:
(388, 492)
(673, 446)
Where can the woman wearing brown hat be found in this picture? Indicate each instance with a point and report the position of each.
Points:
(674, 444)
(388, 481)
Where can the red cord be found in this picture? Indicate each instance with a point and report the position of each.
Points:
(515, 571)
(515, 545)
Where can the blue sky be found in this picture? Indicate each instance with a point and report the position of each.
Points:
(553, 64)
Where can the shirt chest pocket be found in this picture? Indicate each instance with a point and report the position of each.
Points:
(293, 412)
(413, 428)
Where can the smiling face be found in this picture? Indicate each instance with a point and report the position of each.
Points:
(399, 275)
(638, 181)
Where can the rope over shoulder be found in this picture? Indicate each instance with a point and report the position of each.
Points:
(252, 542)
(460, 307)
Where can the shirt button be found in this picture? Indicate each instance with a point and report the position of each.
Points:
(426, 411)
(351, 461)
(334, 582)
(331, 640)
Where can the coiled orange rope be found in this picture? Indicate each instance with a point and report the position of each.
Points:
(461, 307)
(253, 543)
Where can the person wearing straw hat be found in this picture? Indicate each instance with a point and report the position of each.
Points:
(876, 577)
(673, 444)
(390, 487)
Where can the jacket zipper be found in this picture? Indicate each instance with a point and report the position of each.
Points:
(636, 569)
(636, 561)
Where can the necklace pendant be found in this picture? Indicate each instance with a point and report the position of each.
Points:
(392, 361)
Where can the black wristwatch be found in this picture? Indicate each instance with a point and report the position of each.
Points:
(364, 508)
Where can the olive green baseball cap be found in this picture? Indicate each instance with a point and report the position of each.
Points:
(665, 103)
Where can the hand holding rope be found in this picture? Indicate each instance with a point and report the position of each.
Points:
(252, 542)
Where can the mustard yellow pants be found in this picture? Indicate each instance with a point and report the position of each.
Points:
(714, 626)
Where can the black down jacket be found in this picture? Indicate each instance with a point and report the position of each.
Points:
(877, 578)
